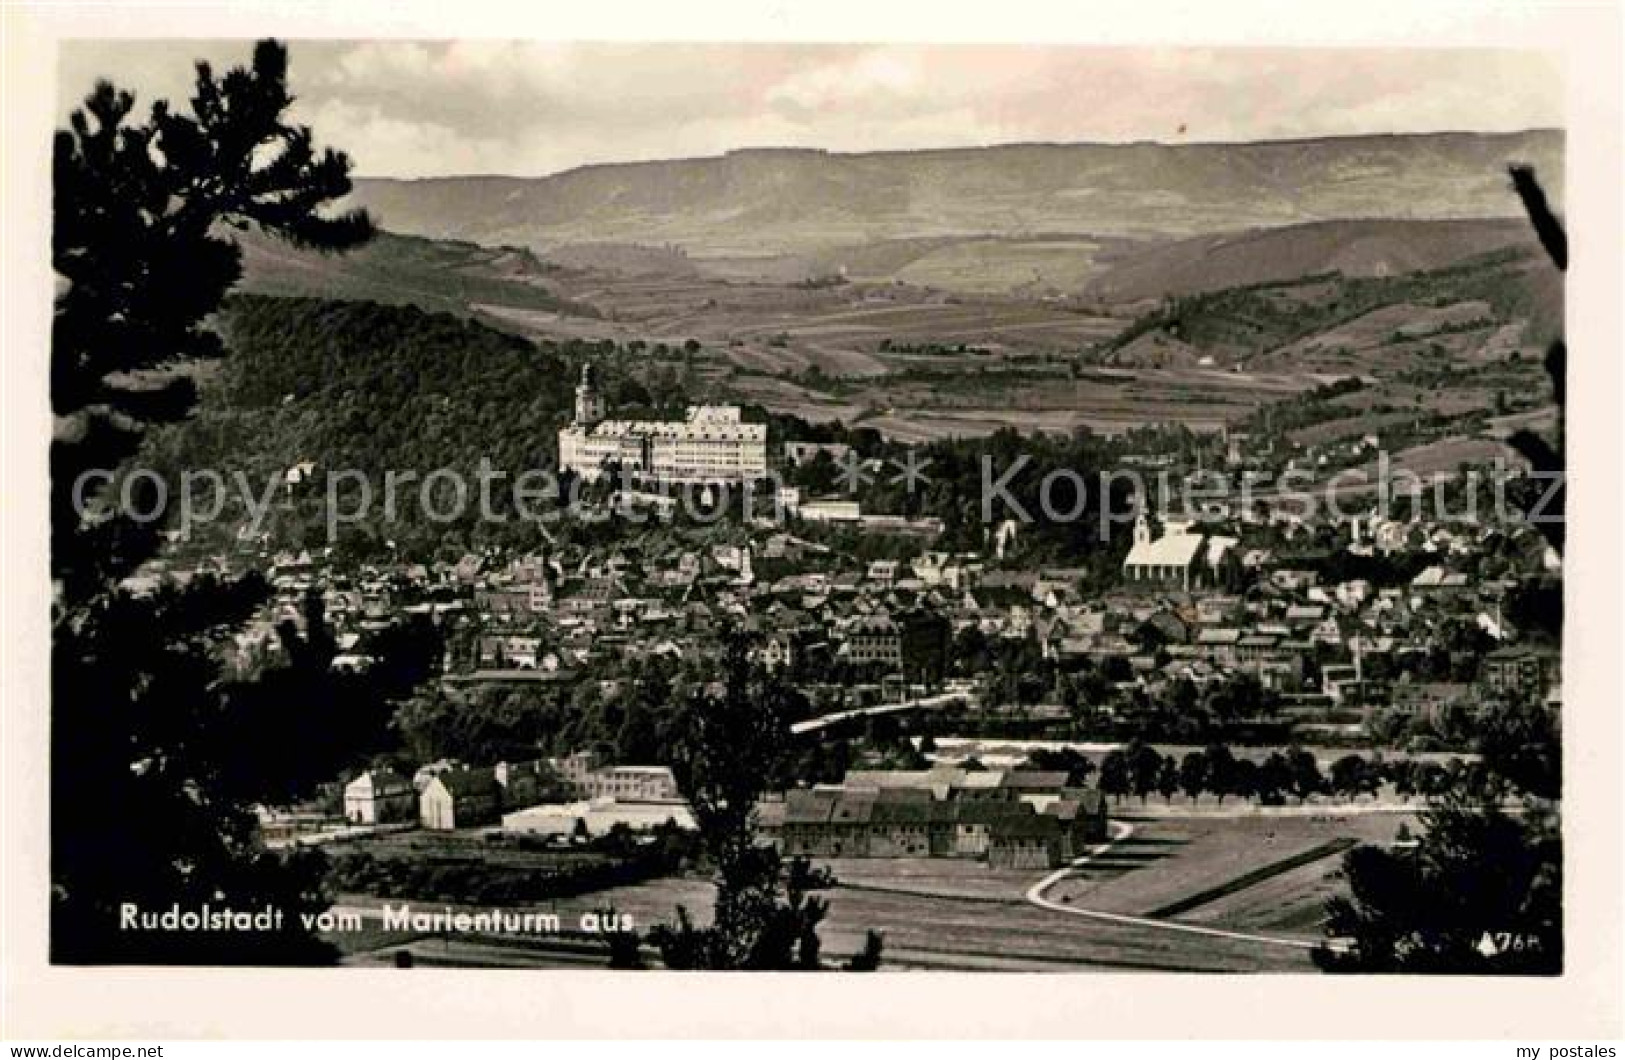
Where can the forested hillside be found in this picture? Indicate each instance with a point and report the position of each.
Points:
(367, 387)
(1351, 323)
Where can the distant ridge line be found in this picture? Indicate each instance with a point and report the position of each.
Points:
(735, 152)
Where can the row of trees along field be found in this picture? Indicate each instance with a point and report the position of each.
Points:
(1520, 763)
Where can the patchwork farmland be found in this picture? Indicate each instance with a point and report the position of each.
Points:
(1261, 874)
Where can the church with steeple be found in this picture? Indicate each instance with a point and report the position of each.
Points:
(1175, 560)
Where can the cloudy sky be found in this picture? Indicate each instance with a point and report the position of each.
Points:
(406, 108)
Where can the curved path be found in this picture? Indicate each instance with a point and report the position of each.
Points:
(1122, 830)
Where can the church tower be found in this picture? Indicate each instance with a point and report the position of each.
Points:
(589, 405)
(1142, 529)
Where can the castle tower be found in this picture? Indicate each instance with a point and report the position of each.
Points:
(589, 405)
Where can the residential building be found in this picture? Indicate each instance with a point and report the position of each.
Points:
(899, 822)
(873, 640)
(525, 783)
(379, 796)
(798, 453)
(460, 798)
(592, 780)
(1520, 670)
(1427, 698)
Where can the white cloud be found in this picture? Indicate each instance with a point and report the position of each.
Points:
(419, 108)
(876, 79)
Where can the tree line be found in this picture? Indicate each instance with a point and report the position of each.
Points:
(1140, 770)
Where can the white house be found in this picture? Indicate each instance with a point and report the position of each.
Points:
(460, 798)
(379, 796)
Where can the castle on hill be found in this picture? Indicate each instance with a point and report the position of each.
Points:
(711, 443)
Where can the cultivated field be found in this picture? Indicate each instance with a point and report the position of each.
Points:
(1258, 875)
(1291, 903)
(914, 365)
(466, 847)
(918, 363)
(1169, 863)
(1106, 400)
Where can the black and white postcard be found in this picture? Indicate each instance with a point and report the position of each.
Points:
(1077, 506)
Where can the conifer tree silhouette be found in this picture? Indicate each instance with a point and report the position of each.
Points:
(154, 761)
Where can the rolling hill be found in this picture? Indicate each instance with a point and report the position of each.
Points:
(1351, 248)
(777, 201)
(1483, 307)
(1114, 270)
(435, 275)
